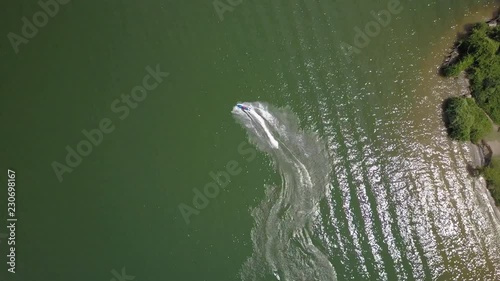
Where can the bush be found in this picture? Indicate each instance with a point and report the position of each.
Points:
(466, 121)
(492, 175)
(456, 68)
(489, 100)
(482, 125)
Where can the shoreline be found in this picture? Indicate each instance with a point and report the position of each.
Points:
(478, 157)
(484, 152)
(477, 154)
(487, 149)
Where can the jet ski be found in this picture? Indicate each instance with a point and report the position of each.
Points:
(242, 107)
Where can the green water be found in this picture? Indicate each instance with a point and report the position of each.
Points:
(391, 197)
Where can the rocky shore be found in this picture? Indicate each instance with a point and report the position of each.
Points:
(488, 148)
(495, 21)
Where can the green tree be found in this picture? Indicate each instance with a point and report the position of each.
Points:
(492, 175)
(466, 121)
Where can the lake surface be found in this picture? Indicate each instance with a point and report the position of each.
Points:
(341, 170)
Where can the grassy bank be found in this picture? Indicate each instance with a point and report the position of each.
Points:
(466, 121)
(492, 175)
(471, 119)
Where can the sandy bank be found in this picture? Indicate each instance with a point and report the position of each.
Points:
(495, 148)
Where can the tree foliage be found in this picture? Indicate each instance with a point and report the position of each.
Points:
(492, 175)
(466, 121)
(479, 56)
